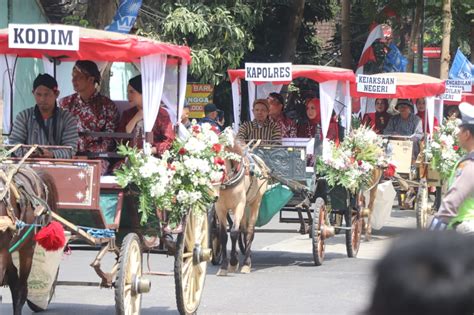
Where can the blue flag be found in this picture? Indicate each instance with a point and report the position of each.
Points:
(125, 17)
(461, 68)
(394, 60)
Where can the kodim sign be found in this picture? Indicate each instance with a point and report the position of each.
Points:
(55, 37)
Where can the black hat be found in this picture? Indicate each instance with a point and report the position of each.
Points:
(209, 108)
(278, 97)
(88, 68)
(404, 101)
(45, 80)
(136, 83)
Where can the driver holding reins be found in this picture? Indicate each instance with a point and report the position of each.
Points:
(457, 206)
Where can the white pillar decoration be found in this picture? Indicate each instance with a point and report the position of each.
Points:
(430, 110)
(348, 103)
(7, 63)
(237, 102)
(251, 89)
(327, 95)
(153, 69)
(183, 76)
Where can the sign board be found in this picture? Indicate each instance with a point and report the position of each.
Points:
(197, 96)
(268, 72)
(55, 37)
(466, 85)
(452, 93)
(376, 85)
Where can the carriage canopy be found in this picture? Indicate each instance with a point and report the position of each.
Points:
(155, 58)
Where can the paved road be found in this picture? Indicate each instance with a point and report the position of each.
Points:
(283, 279)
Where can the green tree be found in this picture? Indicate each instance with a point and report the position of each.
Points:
(219, 33)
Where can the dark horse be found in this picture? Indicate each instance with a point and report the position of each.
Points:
(22, 190)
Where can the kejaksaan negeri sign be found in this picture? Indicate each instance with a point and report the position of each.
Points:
(376, 85)
(55, 37)
(268, 72)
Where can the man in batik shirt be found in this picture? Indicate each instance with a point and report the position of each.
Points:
(287, 125)
(95, 112)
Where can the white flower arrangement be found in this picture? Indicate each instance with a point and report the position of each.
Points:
(443, 149)
(183, 178)
(350, 165)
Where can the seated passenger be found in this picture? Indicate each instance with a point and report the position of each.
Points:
(132, 121)
(453, 113)
(185, 117)
(378, 121)
(94, 111)
(46, 123)
(406, 124)
(261, 128)
(309, 128)
(276, 106)
(421, 108)
(210, 110)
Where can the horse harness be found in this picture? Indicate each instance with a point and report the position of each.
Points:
(25, 186)
(246, 166)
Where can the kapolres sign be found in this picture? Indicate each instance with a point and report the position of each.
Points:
(268, 72)
(55, 37)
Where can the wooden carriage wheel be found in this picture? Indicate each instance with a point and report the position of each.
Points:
(421, 206)
(319, 219)
(353, 220)
(192, 255)
(128, 298)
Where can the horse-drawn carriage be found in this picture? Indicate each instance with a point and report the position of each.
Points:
(414, 174)
(288, 166)
(95, 209)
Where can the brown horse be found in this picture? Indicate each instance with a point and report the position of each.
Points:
(22, 192)
(243, 189)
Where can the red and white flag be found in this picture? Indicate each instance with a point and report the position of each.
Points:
(368, 52)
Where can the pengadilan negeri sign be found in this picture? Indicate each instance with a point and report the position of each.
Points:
(268, 72)
(43, 36)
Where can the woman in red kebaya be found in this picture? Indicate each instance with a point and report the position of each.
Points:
(378, 120)
(313, 122)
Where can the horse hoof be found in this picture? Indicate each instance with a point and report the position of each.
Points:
(221, 273)
(245, 269)
(234, 269)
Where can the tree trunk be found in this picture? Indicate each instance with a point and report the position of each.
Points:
(293, 30)
(100, 14)
(445, 57)
(415, 31)
(346, 34)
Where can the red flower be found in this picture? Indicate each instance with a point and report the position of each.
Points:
(171, 167)
(359, 162)
(182, 151)
(196, 129)
(217, 147)
(389, 171)
(455, 147)
(219, 161)
(215, 129)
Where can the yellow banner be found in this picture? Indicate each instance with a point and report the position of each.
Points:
(197, 96)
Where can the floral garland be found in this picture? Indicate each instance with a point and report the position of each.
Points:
(183, 178)
(443, 149)
(350, 165)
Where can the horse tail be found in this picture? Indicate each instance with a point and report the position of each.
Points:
(52, 190)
